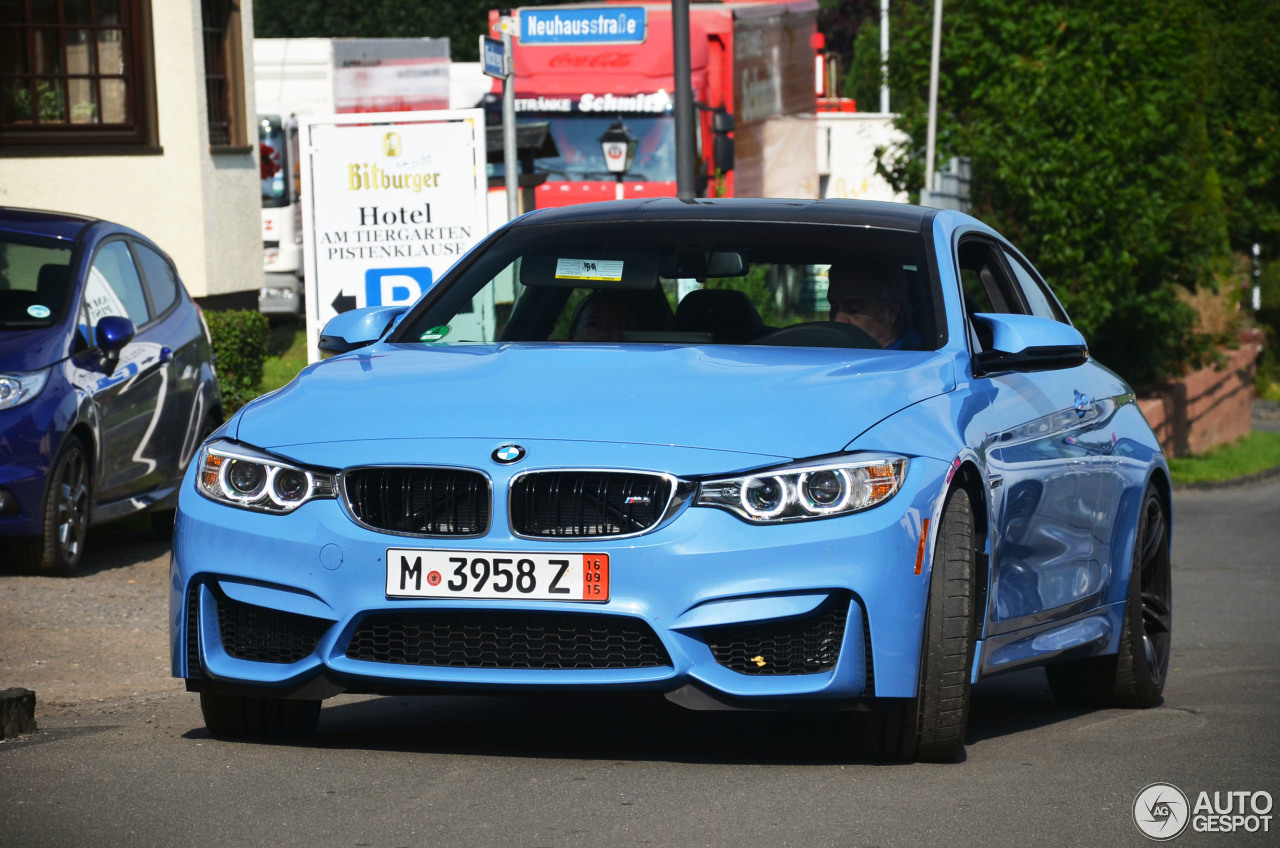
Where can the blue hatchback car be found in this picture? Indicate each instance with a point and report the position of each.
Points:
(750, 454)
(106, 383)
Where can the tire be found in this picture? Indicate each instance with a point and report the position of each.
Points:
(59, 548)
(1134, 676)
(931, 726)
(239, 716)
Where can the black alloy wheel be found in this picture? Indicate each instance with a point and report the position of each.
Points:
(1135, 675)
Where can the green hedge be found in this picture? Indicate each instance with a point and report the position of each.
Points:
(239, 350)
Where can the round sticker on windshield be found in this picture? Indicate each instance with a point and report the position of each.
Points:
(38, 311)
(435, 334)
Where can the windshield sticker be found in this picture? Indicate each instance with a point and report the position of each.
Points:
(435, 334)
(38, 311)
(589, 269)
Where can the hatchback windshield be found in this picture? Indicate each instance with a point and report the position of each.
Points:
(35, 281)
(688, 282)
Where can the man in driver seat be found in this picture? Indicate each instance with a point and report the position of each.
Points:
(872, 296)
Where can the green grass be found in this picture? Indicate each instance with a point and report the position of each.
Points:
(286, 355)
(1256, 452)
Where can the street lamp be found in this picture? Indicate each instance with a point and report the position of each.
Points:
(619, 147)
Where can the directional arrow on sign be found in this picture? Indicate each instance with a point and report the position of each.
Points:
(343, 303)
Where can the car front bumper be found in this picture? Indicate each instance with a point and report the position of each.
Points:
(826, 610)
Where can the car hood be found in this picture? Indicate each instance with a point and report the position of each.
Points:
(31, 350)
(780, 402)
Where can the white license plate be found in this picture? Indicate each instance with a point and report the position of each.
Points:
(419, 573)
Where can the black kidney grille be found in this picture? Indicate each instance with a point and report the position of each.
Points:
(587, 503)
(420, 501)
(496, 639)
(259, 634)
(808, 644)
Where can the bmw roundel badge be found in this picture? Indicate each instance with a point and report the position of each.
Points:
(507, 454)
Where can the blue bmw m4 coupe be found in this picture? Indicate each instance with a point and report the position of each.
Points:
(749, 454)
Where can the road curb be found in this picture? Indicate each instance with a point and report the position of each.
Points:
(1238, 483)
(17, 712)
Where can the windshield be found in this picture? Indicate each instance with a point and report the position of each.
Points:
(577, 138)
(35, 281)
(273, 161)
(688, 282)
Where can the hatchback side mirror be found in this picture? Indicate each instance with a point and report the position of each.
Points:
(1028, 343)
(111, 335)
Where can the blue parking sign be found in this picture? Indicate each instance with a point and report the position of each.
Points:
(395, 286)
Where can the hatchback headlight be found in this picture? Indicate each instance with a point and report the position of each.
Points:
(815, 489)
(18, 388)
(241, 476)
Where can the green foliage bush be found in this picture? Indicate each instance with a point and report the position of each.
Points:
(239, 350)
(1100, 145)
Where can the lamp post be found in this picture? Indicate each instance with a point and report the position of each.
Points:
(619, 147)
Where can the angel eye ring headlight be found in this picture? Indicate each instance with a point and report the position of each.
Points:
(240, 476)
(814, 489)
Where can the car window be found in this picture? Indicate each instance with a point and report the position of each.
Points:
(1034, 294)
(35, 281)
(114, 288)
(162, 283)
(986, 286)
(985, 281)
(692, 282)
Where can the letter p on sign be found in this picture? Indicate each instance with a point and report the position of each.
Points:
(395, 286)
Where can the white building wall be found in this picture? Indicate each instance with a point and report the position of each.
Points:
(201, 208)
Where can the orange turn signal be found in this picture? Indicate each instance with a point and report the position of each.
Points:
(924, 543)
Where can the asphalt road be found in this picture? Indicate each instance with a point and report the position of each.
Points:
(139, 769)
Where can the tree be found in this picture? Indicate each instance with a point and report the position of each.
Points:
(1095, 132)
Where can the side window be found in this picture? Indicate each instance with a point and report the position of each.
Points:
(986, 284)
(1038, 301)
(162, 283)
(114, 288)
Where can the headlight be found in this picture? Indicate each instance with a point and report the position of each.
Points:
(815, 489)
(17, 389)
(241, 476)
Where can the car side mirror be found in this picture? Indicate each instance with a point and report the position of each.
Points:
(111, 335)
(1028, 343)
(359, 327)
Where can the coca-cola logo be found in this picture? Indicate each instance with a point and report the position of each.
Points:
(599, 60)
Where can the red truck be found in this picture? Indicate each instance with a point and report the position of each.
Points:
(582, 67)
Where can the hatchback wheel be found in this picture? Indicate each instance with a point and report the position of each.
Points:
(57, 551)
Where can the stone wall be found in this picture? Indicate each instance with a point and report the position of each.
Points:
(1208, 407)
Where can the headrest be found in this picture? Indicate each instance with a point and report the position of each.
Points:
(728, 314)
